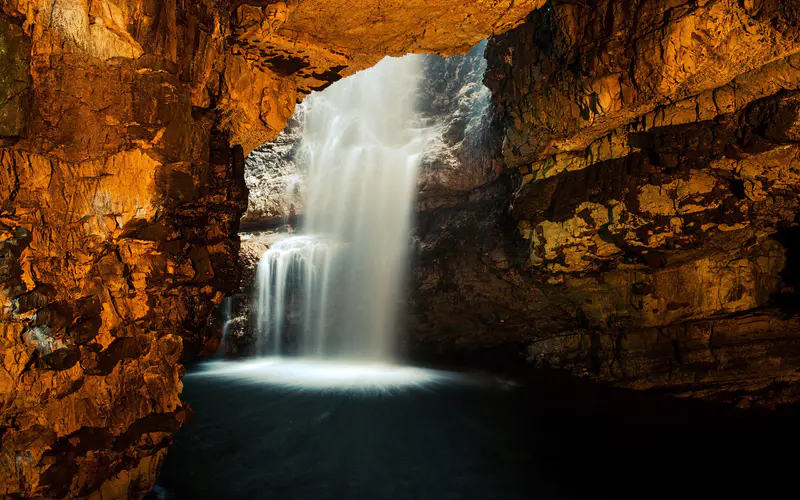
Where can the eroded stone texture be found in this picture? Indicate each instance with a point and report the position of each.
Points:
(652, 205)
(111, 268)
(748, 358)
(578, 70)
(14, 77)
(117, 211)
(124, 125)
(453, 100)
(276, 180)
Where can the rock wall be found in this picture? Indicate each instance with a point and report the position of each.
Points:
(645, 232)
(637, 228)
(119, 205)
(453, 99)
(124, 125)
(276, 181)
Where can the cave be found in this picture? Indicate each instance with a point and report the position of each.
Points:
(316, 249)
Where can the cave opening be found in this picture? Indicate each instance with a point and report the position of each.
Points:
(336, 204)
(322, 302)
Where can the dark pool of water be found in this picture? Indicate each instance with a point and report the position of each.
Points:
(448, 442)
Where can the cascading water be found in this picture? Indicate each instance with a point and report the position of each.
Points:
(227, 320)
(361, 149)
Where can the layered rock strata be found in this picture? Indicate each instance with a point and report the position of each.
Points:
(651, 164)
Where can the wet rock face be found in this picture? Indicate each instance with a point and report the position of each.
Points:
(241, 333)
(124, 126)
(651, 205)
(276, 180)
(453, 100)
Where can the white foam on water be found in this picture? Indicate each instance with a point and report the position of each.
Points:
(307, 373)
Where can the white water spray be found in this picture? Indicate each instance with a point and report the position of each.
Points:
(316, 374)
(345, 272)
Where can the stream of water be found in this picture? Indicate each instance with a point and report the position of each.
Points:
(361, 149)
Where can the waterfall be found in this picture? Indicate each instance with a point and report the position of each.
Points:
(226, 311)
(361, 149)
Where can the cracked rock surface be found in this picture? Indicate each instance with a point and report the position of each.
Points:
(645, 229)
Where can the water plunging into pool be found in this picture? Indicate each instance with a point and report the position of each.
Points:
(345, 270)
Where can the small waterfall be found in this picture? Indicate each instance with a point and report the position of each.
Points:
(361, 150)
(226, 311)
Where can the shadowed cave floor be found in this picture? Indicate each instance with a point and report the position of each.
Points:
(455, 441)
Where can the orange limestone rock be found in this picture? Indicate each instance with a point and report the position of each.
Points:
(123, 130)
(648, 227)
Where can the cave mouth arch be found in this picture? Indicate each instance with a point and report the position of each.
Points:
(451, 95)
(449, 99)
